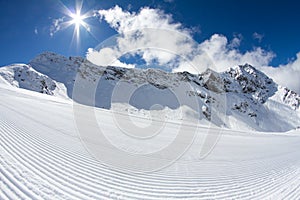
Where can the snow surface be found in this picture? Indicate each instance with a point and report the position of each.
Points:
(42, 157)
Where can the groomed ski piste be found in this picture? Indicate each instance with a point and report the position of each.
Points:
(42, 157)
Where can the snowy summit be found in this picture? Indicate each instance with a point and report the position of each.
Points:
(241, 97)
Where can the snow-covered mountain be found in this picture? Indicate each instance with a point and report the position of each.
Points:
(240, 98)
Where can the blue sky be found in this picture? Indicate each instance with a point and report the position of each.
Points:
(25, 25)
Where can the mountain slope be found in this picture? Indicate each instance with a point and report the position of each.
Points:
(42, 157)
(24, 76)
(239, 98)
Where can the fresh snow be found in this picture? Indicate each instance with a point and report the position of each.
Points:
(42, 158)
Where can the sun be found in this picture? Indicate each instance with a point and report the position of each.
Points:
(77, 19)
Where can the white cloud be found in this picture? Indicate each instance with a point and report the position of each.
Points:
(236, 41)
(150, 33)
(124, 21)
(56, 25)
(258, 36)
(286, 75)
(219, 54)
(106, 57)
(36, 31)
(154, 35)
(160, 39)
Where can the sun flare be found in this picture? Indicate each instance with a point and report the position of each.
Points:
(77, 19)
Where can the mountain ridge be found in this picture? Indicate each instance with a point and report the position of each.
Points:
(253, 100)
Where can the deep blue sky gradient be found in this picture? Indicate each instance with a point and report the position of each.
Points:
(278, 21)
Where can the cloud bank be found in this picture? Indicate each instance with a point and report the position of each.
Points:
(156, 38)
(286, 75)
(219, 54)
(150, 33)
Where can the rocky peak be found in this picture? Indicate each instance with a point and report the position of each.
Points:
(212, 81)
(248, 80)
(291, 98)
